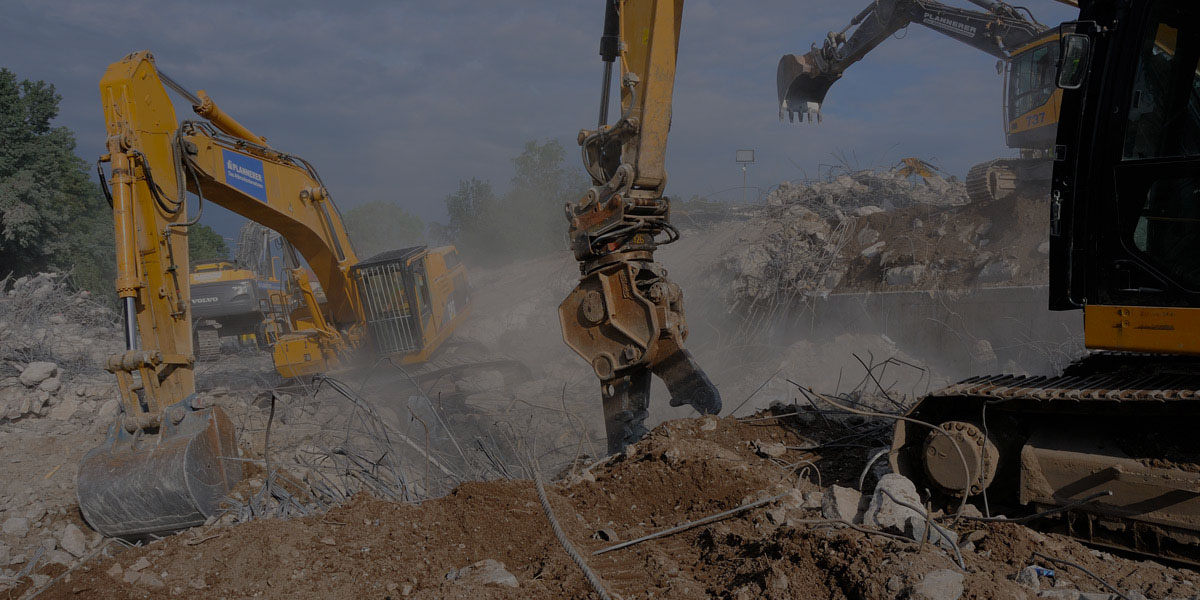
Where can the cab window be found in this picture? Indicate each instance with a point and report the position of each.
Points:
(1164, 105)
(1032, 79)
(1158, 182)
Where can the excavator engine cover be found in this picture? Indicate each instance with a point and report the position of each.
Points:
(135, 485)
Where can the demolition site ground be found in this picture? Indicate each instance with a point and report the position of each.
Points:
(421, 482)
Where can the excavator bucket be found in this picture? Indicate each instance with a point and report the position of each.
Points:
(133, 486)
(802, 84)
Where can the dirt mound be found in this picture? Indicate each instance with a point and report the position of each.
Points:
(684, 471)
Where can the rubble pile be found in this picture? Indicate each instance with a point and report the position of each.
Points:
(806, 531)
(53, 344)
(55, 402)
(879, 231)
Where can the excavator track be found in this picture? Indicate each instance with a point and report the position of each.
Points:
(992, 180)
(1000, 178)
(208, 344)
(1112, 439)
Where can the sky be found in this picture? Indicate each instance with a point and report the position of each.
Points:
(400, 100)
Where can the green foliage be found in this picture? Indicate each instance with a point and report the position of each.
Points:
(379, 226)
(52, 216)
(204, 243)
(528, 221)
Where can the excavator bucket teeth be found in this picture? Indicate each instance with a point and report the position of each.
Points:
(802, 85)
(134, 486)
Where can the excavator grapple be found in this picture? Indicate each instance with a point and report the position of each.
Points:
(135, 484)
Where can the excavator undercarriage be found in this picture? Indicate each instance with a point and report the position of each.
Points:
(1110, 442)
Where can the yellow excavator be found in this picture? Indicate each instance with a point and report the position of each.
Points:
(1027, 49)
(168, 460)
(1105, 451)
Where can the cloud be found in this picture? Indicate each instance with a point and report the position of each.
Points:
(400, 100)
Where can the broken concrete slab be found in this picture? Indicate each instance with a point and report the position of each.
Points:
(842, 504)
(885, 513)
(484, 572)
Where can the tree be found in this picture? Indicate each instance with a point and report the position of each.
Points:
(541, 187)
(527, 222)
(379, 226)
(52, 216)
(204, 243)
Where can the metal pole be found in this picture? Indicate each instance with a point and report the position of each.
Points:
(743, 183)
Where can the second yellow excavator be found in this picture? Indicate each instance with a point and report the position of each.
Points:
(166, 462)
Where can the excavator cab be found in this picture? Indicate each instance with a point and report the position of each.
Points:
(412, 299)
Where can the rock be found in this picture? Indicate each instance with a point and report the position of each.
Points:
(37, 372)
(864, 211)
(114, 571)
(867, 236)
(328, 541)
(58, 557)
(35, 512)
(769, 449)
(109, 409)
(51, 385)
(909, 275)
(914, 529)
(873, 250)
(484, 572)
(1044, 248)
(886, 514)
(997, 272)
(812, 500)
(74, 541)
(65, 409)
(975, 537)
(150, 580)
(16, 526)
(792, 501)
(139, 564)
(1028, 577)
(841, 503)
(942, 584)
(709, 423)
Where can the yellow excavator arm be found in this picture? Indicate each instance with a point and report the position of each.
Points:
(625, 317)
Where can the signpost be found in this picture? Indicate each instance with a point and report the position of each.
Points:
(744, 157)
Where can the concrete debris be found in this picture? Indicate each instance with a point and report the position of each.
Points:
(769, 449)
(73, 541)
(484, 572)
(877, 231)
(842, 503)
(885, 513)
(16, 526)
(942, 584)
